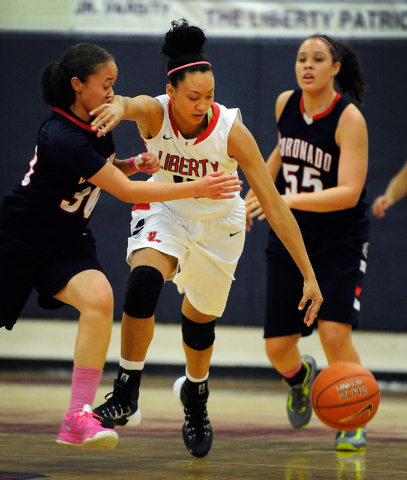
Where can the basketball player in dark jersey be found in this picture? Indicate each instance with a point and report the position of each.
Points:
(44, 240)
(320, 166)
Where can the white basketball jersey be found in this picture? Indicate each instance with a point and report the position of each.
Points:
(191, 159)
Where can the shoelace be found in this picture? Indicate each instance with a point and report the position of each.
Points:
(114, 408)
(299, 394)
(87, 417)
(197, 419)
(298, 398)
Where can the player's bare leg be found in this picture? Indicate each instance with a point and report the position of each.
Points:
(298, 373)
(336, 340)
(89, 292)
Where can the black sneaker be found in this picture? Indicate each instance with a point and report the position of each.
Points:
(117, 410)
(197, 429)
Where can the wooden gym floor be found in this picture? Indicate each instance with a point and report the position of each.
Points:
(252, 437)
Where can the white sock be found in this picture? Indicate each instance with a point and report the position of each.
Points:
(129, 365)
(195, 380)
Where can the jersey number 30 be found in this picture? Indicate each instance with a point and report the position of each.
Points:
(91, 197)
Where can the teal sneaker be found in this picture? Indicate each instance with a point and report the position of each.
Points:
(351, 441)
(299, 407)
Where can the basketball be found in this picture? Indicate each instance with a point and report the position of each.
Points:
(345, 396)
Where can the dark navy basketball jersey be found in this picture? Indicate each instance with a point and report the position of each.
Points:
(310, 161)
(54, 201)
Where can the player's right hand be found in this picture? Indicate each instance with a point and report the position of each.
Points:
(107, 116)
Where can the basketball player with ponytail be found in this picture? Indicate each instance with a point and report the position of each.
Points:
(45, 242)
(196, 243)
(320, 167)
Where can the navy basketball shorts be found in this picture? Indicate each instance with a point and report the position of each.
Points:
(339, 273)
(25, 266)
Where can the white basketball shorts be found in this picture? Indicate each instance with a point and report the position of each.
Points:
(207, 250)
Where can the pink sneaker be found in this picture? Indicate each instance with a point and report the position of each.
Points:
(83, 429)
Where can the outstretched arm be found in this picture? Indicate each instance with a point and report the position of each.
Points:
(145, 110)
(215, 186)
(243, 147)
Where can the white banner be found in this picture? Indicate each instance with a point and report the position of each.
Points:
(228, 18)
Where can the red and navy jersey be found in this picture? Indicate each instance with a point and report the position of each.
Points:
(54, 201)
(310, 162)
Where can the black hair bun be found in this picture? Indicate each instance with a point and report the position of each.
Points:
(183, 39)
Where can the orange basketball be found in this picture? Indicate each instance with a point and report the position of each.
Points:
(345, 396)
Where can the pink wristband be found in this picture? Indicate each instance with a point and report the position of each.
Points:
(134, 162)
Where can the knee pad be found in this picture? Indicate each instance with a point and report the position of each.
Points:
(198, 336)
(143, 289)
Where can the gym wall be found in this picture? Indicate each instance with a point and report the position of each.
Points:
(249, 74)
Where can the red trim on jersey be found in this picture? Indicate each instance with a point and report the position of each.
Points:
(322, 114)
(209, 129)
(78, 122)
(212, 124)
(173, 124)
(141, 206)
